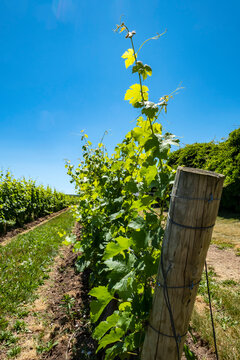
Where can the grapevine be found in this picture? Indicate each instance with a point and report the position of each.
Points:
(122, 230)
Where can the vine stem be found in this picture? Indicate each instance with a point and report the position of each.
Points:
(135, 57)
(139, 75)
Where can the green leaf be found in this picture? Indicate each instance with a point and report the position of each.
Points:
(117, 215)
(106, 325)
(150, 109)
(133, 341)
(125, 305)
(134, 94)
(150, 174)
(114, 248)
(140, 239)
(114, 336)
(129, 56)
(131, 186)
(81, 263)
(119, 268)
(124, 286)
(144, 70)
(114, 351)
(137, 223)
(143, 203)
(103, 298)
(152, 143)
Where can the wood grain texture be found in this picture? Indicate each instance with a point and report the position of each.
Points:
(184, 252)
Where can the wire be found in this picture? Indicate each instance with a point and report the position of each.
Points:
(168, 304)
(211, 312)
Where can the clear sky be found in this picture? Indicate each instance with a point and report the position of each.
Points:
(61, 71)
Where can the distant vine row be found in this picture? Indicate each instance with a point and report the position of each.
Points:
(22, 201)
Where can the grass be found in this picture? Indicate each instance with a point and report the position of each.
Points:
(24, 264)
(225, 297)
(24, 261)
(226, 233)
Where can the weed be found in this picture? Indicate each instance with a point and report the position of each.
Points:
(62, 269)
(229, 282)
(20, 326)
(22, 313)
(68, 303)
(13, 352)
(223, 246)
(3, 323)
(188, 353)
(44, 348)
(7, 338)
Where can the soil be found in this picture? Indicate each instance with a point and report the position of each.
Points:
(199, 347)
(4, 239)
(224, 262)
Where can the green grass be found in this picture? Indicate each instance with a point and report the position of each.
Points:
(225, 297)
(223, 246)
(24, 262)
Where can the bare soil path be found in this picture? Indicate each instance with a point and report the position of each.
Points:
(222, 254)
(224, 262)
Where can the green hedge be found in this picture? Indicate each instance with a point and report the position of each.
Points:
(222, 157)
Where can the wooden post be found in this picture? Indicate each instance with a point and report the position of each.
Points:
(193, 210)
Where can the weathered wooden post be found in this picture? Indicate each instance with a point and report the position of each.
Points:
(193, 210)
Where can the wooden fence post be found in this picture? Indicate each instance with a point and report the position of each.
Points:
(192, 214)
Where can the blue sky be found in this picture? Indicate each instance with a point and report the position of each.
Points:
(61, 71)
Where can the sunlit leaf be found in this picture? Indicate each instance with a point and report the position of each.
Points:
(103, 298)
(136, 94)
(129, 56)
(113, 248)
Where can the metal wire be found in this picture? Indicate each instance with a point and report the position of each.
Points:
(190, 227)
(179, 337)
(211, 312)
(210, 199)
(168, 304)
(191, 286)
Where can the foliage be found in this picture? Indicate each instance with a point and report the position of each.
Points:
(121, 232)
(22, 200)
(222, 157)
(24, 262)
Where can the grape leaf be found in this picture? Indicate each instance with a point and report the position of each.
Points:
(144, 70)
(114, 248)
(103, 298)
(114, 336)
(129, 56)
(134, 94)
(104, 326)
